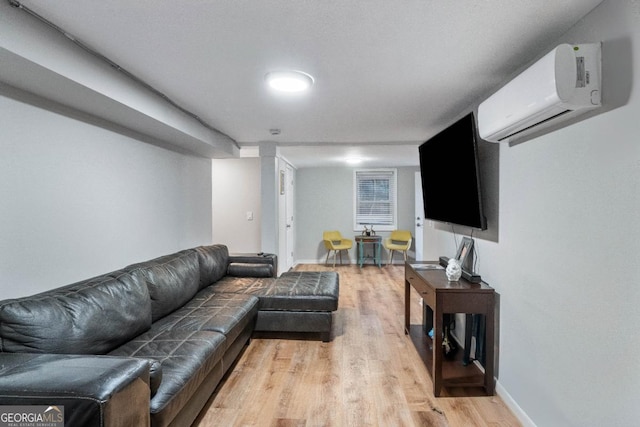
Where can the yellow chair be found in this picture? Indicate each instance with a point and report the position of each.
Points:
(333, 241)
(399, 240)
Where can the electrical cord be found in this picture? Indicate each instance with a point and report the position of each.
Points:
(455, 238)
(475, 254)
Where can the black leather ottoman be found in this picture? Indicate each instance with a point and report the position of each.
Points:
(297, 301)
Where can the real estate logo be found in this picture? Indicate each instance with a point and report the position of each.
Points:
(31, 416)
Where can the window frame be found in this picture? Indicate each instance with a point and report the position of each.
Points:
(393, 189)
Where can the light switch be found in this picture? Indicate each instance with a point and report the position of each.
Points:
(249, 216)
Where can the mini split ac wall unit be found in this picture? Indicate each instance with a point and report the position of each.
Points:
(563, 84)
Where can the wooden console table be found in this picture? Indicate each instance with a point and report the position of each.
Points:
(441, 296)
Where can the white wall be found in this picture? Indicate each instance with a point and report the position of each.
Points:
(324, 201)
(236, 185)
(79, 200)
(269, 198)
(567, 258)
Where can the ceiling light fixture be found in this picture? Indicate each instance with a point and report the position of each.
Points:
(289, 81)
(354, 160)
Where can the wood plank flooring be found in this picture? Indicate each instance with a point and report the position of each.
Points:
(370, 374)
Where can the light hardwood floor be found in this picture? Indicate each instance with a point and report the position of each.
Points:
(370, 374)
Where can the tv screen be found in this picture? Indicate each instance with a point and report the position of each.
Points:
(450, 176)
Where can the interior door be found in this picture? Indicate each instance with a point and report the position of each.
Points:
(419, 218)
(289, 221)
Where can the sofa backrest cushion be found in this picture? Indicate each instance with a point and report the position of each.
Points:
(89, 317)
(214, 261)
(247, 269)
(172, 280)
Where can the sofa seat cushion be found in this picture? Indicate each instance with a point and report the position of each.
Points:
(93, 316)
(293, 291)
(186, 357)
(226, 313)
(172, 280)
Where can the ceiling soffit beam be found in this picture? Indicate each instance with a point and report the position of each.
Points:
(97, 85)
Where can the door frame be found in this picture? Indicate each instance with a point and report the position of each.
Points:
(289, 217)
(418, 218)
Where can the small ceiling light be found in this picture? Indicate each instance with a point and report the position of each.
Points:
(353, 160)
(289, 81)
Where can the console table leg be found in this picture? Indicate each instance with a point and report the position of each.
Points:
(468, 327)
(489, 382)
(407, 307)
(437, 349)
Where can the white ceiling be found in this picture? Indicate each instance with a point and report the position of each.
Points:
(388, 73)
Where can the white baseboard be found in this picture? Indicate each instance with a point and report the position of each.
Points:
(318, 261)
(398, 261)
(513, 406)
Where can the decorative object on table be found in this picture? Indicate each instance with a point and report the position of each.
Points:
(464, 254)
(366, 231)
(373, 232)
(454, 270)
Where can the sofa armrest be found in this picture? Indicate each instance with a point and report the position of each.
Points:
(90, 390)
(253, 265)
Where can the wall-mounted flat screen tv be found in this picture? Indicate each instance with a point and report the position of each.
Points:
(451, 177)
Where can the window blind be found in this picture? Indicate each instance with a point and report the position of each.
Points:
(375, 197)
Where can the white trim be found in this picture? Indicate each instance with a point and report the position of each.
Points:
(513, 406)
(385, 259)
(345, 261)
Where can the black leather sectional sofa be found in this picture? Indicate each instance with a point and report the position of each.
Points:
(148, 344)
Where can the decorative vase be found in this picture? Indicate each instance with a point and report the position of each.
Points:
(454, 270)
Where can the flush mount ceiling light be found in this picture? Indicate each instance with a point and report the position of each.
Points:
(354, 160)
(289, 81)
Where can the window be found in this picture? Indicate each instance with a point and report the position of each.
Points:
(374, 198)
